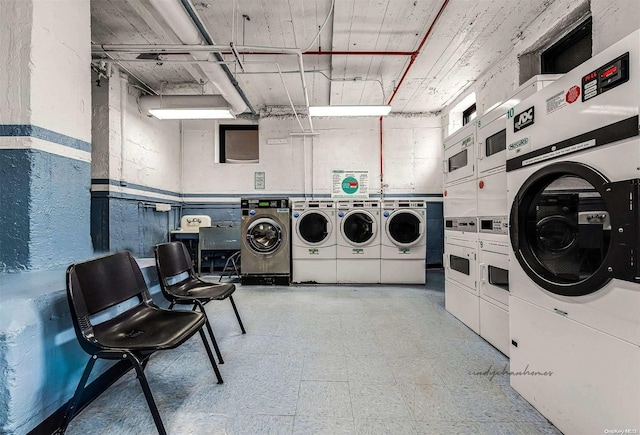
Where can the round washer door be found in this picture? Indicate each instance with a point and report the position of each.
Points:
(358, 227)
(561, 229)
(313, 227)
(405, 228)
(264, 235)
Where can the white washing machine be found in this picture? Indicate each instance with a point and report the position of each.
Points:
(573, 159)
(493, 281)
(313, 241)
(460, 173)
(460, 270)
(358, 241)
(491, 148)
(403, 246)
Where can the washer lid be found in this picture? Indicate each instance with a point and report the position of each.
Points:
(405, 227)
(572, 231)
(313, 227)
(264, 235)
(358, 227)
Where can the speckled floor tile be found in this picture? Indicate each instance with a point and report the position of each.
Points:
(444, 427)
(323, 426)
(259, 424)
(324, 399)
(378, 401)
(324, 367)
(370, 426)
(369, 369)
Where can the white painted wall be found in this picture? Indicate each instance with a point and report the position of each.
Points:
(303, 165)
(612, 20)
(138, 149)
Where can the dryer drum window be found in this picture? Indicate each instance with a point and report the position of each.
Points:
(561, 229)
(264, 235)
(404, 228)
(313, 228)
(358, 227)
(458, 160)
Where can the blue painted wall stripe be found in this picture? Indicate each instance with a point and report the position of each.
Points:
(44, 134)
(110, 182)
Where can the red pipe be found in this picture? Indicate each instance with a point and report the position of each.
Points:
(414, 55)
(360, 53)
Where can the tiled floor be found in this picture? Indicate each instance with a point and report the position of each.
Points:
(326, 360)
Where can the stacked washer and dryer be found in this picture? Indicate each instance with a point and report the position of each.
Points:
(313, 241)
(461, 229)
(573, 159)
(493, 225)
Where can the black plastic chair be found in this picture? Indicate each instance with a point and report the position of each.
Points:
(174, 263)
(133, 334)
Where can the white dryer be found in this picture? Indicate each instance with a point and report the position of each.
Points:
(358, 241)
(573, 154)
(493, 281)
(313, 241)
(460, 173)
(403, 246)
(460, 270)
(491, 148)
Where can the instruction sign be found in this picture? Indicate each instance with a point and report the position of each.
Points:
(350, 184)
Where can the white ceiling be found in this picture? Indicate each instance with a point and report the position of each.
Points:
(469, 37)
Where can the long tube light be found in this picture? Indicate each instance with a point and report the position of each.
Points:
(344, 111)
(202, 113)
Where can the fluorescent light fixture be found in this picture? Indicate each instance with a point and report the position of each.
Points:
(201, 113)
(349, 110)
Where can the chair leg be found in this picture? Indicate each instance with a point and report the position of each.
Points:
(147, 394)
(171, 305)
(237, 315)
(210, 329)
(71, 409)
(213, 361)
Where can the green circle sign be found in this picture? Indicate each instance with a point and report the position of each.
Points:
(350, 185)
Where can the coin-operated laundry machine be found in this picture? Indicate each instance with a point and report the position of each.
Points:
(460, 173)
(461, 270)
(313, 241)
(403, 245)
(491, 148)
(358, 241)
(266, 244)
(493, 281)
(573, 153)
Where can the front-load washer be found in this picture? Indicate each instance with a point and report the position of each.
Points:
(460, 173)
(573, 154)
(313, 241)
(403, 246)
(493, 280)
(265, 248)
(491, 148)
(358, 241)
(460, 270)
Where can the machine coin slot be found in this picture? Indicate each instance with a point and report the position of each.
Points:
(486, 224)
(314, 205)
(358, 205)
(403, 204)
(462, 224)
(606, 77)
(448, 224)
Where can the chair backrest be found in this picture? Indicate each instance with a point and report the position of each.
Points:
(172, 259)
(96, 285)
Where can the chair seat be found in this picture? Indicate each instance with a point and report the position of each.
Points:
(204, 291)
(145, 327)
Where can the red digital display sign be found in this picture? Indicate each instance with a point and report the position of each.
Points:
(609, 71)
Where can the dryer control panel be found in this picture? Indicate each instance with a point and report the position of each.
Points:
(461, 224)
(494, 225)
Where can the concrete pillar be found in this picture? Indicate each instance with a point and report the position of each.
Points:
(45, 133)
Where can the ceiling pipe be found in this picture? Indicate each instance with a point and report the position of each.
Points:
(182, 25)
(414, 55)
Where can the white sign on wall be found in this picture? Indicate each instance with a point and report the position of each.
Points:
(349, 184)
